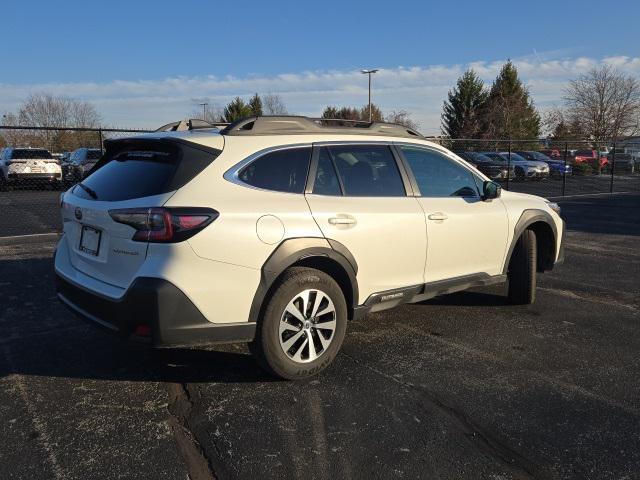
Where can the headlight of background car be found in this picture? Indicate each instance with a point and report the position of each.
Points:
(554, 206)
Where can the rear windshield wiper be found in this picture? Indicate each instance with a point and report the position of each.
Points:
(89, 190)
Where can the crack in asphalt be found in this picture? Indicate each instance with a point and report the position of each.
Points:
(519, 466)
(180, 407)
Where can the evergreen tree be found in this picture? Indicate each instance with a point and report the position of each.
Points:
(461, 117)
(236, 110)
(255, 105)
(509, 112)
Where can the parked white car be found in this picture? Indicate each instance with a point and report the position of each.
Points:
(34, 166)
(278, 230)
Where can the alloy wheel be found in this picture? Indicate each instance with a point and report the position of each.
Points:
(307, 326)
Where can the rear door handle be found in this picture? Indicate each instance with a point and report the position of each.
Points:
(342, 219)
(437, 216)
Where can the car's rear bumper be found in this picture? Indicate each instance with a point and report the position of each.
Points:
(152, 309)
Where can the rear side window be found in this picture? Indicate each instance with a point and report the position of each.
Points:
(142, 168)
(367, 170)
(280, 171)
(439, 176)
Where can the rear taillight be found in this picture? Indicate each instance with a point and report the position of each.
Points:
(164, 225)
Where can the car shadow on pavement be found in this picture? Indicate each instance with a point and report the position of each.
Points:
(469, 298)
(40, 337)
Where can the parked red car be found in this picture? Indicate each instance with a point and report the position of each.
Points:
(593, 158)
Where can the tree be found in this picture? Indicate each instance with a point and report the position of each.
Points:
(273, 105)
(351, 113)
(255, 105)
(46, 110)
(461, 117)
(605, 102)
(237, 109)
(509, 112)
(401, 117)
(50, 111)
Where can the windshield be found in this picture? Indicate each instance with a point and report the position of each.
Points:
(93, 154)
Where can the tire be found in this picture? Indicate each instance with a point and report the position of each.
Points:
(283, 320)
(3, 183)
(519, 174)
(522, 270)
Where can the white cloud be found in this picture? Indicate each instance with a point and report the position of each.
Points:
(418, 89)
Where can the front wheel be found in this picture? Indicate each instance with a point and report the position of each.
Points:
(522, 270)
(303, 326)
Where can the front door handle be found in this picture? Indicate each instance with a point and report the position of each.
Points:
(342, 220)
(437, 216)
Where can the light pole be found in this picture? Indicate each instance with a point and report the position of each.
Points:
(204, 110)
(369, 72)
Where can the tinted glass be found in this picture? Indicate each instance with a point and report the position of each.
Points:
(326, 181)
(144, 168)
(281, 171)
(367, 170)
(439, 176)
(26, 154)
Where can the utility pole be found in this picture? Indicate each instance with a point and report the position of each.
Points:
(204, 110)
(369, 72)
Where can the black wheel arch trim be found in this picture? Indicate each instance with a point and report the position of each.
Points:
(528, 218)
(294, 250)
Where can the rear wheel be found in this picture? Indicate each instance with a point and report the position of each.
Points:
(522, 270)
(303, 325)
(3, 183)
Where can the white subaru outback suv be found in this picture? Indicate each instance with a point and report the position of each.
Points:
(277, 231)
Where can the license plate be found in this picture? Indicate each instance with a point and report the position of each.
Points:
(90, 240)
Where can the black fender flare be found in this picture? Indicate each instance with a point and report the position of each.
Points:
(294, 250)
(527, 218)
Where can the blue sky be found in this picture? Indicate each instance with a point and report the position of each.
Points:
(122, 54)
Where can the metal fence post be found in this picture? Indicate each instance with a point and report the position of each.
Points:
(613, 166)
(508, 166)
(564, 171)
(101, 140)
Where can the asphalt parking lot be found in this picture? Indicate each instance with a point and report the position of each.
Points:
(462, 386)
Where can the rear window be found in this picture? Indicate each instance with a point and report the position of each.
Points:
(27, 154)
(142, 168)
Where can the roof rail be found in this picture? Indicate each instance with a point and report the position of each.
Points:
(291, 125)
(191, 124)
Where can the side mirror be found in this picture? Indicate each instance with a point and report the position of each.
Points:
(491, 190)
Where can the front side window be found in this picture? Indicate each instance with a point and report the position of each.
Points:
(366, 170)
(280, 170)
(439, 176)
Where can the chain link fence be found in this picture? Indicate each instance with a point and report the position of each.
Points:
(553, 168)
(37, 163)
